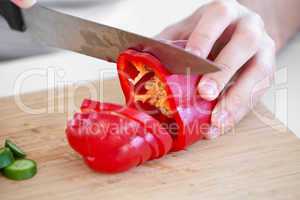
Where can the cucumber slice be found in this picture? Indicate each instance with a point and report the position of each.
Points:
(21, 169)
(17, 152)
(6, 157)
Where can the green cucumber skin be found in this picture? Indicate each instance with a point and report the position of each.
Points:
(17, 152)
(19, 175)
(7, 158)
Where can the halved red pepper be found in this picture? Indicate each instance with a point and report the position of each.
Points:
(188, 111)
(163, 112)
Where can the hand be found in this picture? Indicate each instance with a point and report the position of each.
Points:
(24, 3)
(235, 38)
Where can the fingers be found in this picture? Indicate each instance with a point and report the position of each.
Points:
(235, 38)
(24, 3)
(244, 94)
(241, 48)
(215, 19)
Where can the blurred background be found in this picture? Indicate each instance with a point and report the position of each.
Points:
(17, 55)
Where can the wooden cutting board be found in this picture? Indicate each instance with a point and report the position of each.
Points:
(259, 160)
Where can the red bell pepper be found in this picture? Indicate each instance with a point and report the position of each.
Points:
(188, 111)
(163, 112)
(112, 138)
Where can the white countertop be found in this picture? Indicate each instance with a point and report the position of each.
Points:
(32, 73)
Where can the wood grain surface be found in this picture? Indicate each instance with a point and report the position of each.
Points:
(260, 159)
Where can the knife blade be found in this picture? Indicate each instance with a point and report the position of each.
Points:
(56, 29)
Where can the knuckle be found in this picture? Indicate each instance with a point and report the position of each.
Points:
(225, 68)
(253, 25)
(250, 33)
(257, 19)
(223, 8)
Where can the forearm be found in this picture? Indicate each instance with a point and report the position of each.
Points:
(282, 17)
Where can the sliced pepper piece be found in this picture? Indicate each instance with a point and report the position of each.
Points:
(170, 98)
(112, 138)
(149, 123)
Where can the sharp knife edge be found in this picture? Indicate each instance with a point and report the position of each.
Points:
(55, 29)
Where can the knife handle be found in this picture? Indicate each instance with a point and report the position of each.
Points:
(13, 15)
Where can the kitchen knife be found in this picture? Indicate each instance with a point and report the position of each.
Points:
(55, 29)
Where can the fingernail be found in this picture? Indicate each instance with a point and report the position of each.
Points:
(194, 51)
(208, 89)
(212, 133)
(165, 41)
(179, 43)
